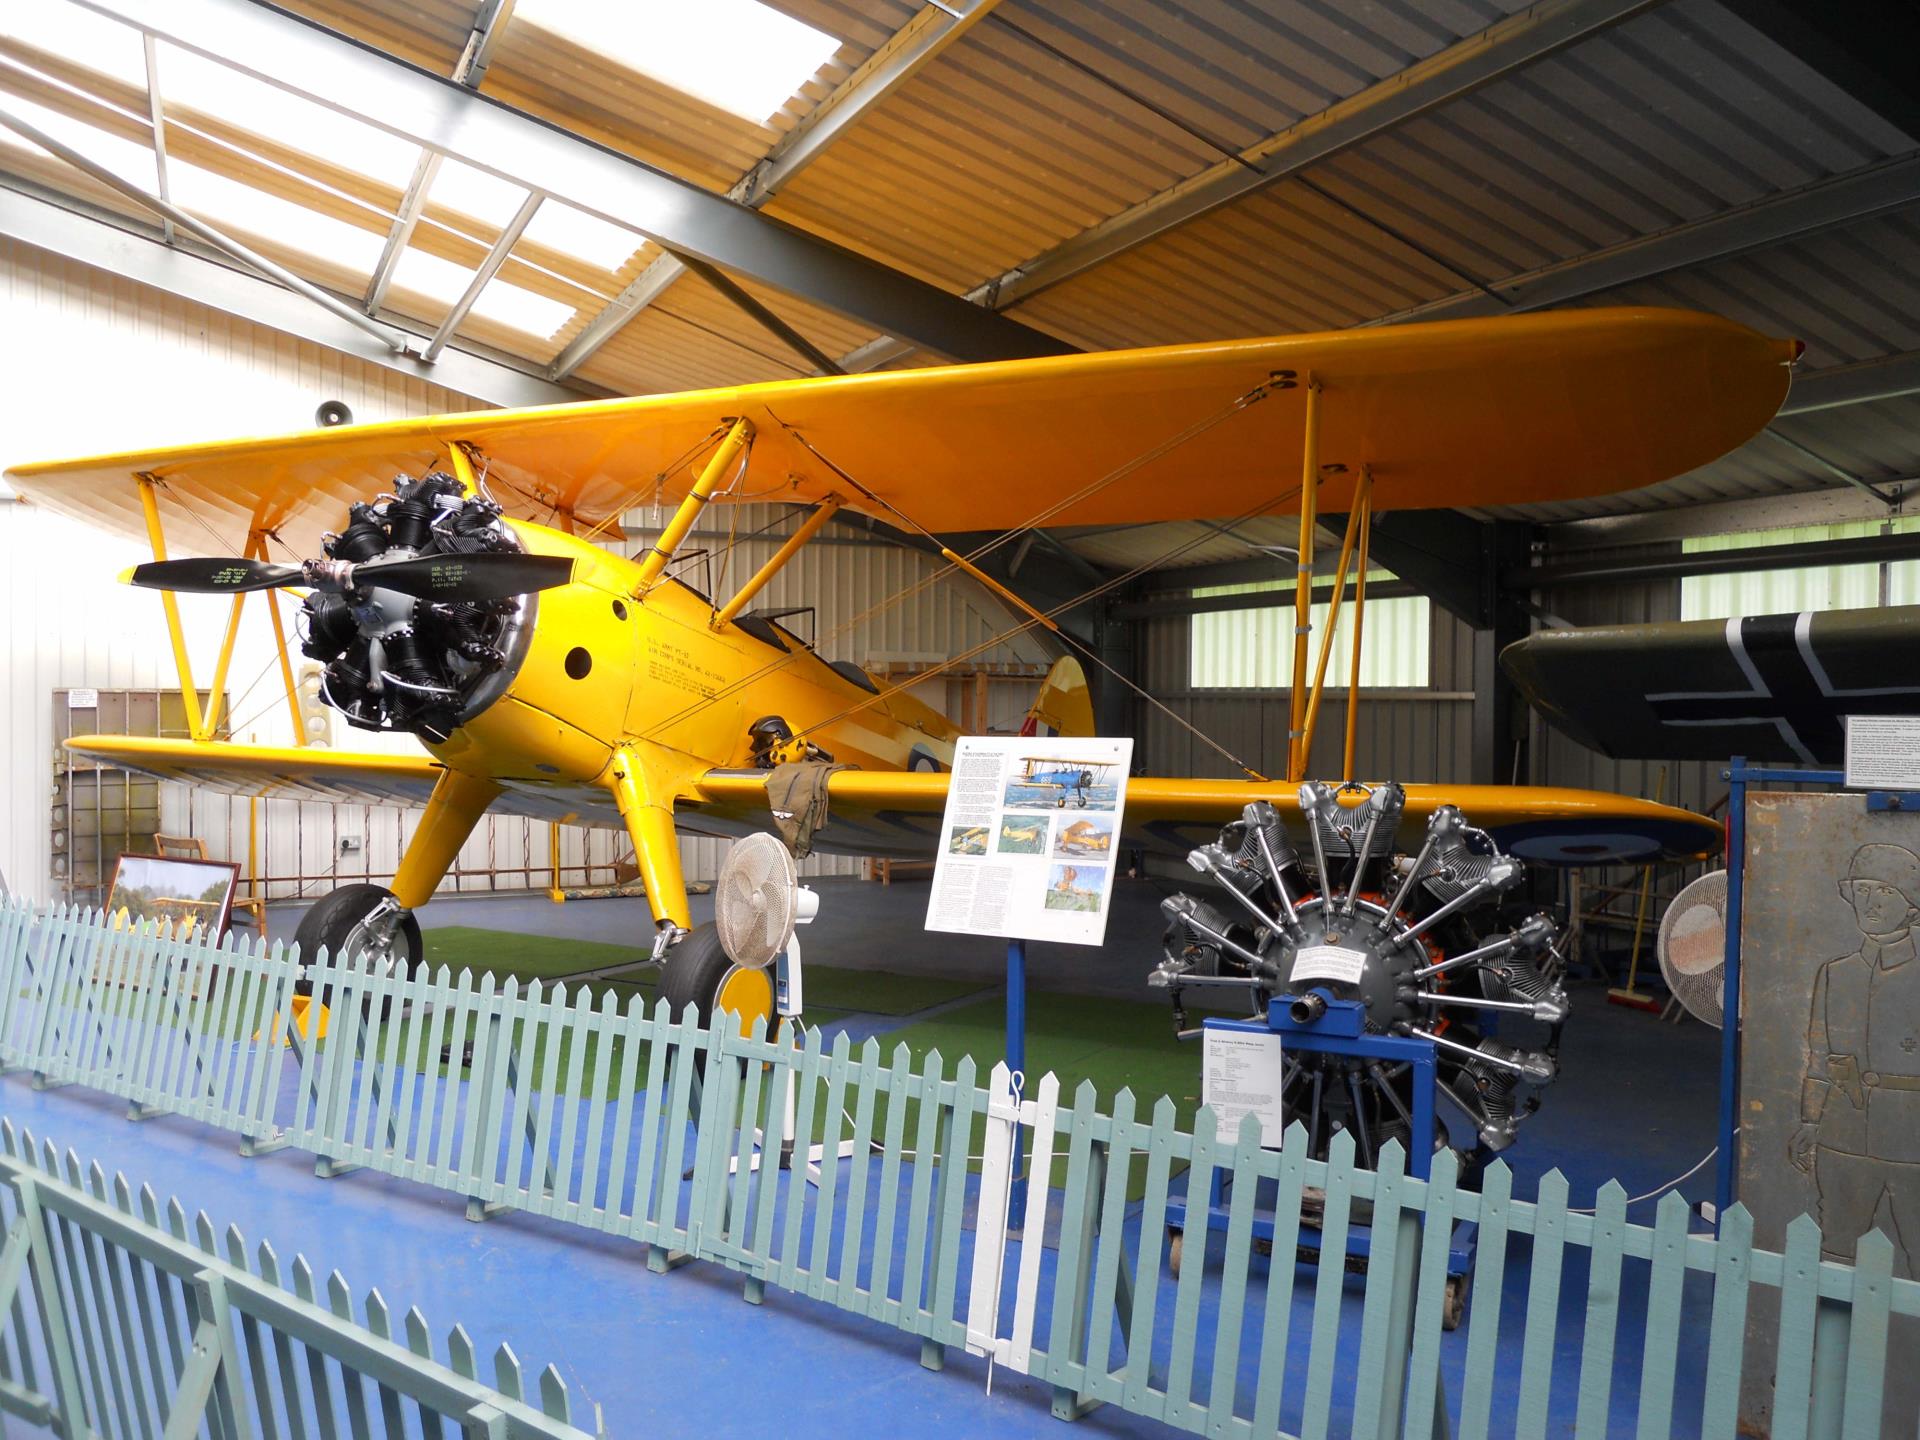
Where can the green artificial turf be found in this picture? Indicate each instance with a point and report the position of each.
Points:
(1115, 1043)
(829, 989)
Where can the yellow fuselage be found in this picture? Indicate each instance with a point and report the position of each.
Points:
(606, 668)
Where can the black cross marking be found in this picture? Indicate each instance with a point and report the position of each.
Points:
(1789, 690)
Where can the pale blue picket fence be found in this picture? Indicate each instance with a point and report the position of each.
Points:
(126, 1320)
(631, 1122)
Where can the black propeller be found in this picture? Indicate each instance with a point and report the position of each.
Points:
(485, 575)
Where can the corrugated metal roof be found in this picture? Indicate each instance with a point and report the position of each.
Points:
(1049, 116)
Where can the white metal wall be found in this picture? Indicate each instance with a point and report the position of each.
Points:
(92, 362)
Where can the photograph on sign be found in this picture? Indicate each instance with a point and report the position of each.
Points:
(1030, 838)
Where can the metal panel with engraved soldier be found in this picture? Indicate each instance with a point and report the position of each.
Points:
(1859, 1134)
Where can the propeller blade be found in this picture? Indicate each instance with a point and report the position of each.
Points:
(212, 575)
(482, 576)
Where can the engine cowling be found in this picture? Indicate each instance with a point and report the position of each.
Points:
(394, 662)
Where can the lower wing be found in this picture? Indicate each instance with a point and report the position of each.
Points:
(890, 812)
(895, 812)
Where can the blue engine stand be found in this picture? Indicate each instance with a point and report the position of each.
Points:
(1341, 1030)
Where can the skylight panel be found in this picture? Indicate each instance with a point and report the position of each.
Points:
(513, 306)
(266, 110)
(476, 193)
(130, 160)
(229, 203)
(583, 236)
(101, 45)
(742, 56)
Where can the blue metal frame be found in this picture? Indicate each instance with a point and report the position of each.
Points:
(1341, 1030)
(1739, 775)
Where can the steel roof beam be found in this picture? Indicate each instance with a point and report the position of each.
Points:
(1861, 550)
(156, 117)
(903, 56)
(1886, 378)
(488, 23)
(482, 277)
(165, 210)
(1466, 65)
(140, 256)
(439, 114)
(1789, 215)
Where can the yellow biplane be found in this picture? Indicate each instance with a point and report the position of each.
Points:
(547, 676)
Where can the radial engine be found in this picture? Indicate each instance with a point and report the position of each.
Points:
(1429, 944)
(395, 661)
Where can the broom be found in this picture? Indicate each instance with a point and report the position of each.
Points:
(1632, 995)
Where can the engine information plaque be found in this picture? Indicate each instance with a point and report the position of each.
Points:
(1328, 962)
(1883, 752)
(1029, 841)
(1241, 1074)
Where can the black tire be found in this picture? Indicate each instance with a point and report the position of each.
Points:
(331, 923)
(696, 968)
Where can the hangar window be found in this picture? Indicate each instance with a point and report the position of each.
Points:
(1817, 587)
(1253, 649)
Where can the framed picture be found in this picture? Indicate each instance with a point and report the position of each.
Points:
(196, 896)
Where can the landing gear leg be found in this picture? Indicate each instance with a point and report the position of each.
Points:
(373, 927)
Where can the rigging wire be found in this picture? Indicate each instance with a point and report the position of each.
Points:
(926, 582)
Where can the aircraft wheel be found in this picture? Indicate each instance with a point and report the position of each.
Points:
(1081, 801)
(700, 973)
(1061, 803)
(339, 923)
(1176, 1242)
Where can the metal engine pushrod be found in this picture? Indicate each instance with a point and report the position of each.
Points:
(1313, 797)
(1279, 880)
(1383, 802)
(1205, 859)
(1529, 933)
(1551, 1011)
(1532, 1072)
(1503, 873)
(1193, 922)
(1442, 819)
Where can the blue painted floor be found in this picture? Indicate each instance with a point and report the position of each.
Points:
(681, 1352)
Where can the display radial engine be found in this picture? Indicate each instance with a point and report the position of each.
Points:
(1410, 938)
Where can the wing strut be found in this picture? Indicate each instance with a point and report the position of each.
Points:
(1355, 521)
(1359, 619)
(778, 560)
(1303, 585)
(718, 463)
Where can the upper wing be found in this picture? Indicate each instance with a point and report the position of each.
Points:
(1550, 406)
(876, 811)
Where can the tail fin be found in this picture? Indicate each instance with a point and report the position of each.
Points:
(1064, 705)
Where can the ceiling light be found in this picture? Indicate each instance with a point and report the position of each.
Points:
(744, 57)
